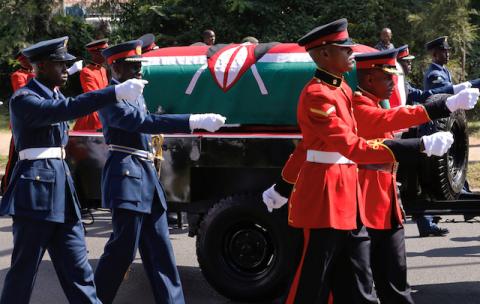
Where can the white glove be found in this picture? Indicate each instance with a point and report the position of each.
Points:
(210, 122)
(461, 86)
(466, 100)
(130, 90)
(438, 143)
(76, 67)
(273, 199)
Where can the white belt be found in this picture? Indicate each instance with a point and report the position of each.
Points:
(140, 153)
(323, 157)
(42, 153)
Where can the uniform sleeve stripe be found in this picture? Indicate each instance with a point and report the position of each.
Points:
(328, 112)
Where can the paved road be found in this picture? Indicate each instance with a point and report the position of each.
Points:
(442, 270)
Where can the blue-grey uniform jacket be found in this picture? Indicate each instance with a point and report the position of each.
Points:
(416, 96)
(43, 189)
(436, 76)
(128, 181)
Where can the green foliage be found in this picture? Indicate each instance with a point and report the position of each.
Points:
(23, 23)
(181, 22)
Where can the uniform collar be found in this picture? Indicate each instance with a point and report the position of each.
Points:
(44, 89)
(438, 66)
(328, 78)
(368, 94)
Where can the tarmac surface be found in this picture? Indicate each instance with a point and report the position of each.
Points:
(442, 270)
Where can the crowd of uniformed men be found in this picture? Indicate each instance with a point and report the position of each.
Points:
(339, 182)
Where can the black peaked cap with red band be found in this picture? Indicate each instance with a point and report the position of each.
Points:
(97, 45)
(148, 41)
(332, 33)
(130, 51)
(384, 60)
(404, 53)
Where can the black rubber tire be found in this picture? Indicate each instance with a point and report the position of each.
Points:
(246, 253)
(443, 177)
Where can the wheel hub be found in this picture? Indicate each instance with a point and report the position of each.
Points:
(248, 248)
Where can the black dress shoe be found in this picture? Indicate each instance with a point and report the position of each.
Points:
(435, 231)
(436, 219)
(172, 218)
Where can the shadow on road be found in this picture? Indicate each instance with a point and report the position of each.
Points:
(447, 252)
(448, 293)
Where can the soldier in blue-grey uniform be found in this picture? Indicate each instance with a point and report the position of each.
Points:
(437, 74)
(131, 189)
(41, 197)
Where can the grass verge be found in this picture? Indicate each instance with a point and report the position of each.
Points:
(473, 175)
(4, 118)
(3, 162)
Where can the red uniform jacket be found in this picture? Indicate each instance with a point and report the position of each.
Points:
(379, 192)
(20, 77)
(92, 77)
(325, 195)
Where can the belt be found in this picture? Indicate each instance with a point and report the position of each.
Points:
(323, 157)
(140, 153)
(42, 153)
(389, 167)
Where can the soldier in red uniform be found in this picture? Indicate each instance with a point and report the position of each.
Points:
(383, 216)
(93, 77)
(377, 185)
(18, 79)
(324, 199)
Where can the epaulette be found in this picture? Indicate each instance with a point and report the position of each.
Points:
(23, 92)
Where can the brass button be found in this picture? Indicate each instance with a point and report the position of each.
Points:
(37, 177)
(127, 172)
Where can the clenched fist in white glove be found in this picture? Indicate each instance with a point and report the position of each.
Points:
(461, 86)
(466, 100)
(76, 67)
(130, 90)
(273, 199)
(437, 144)
(210, 122)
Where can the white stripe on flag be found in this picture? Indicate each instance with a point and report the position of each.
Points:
(286, 57)
(175, 60)
(258, 78)
(202, 59)
(194, 80)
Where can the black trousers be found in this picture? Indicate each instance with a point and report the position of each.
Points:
(389, 265)
(334, 260)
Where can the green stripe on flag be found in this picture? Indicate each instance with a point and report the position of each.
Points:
(242, 104)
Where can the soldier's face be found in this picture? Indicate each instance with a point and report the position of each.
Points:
(97, 57)
(344, 58)
(128, 70)
(333, 58)
(406, 66)
(442, 56)
(52, 73)
(380, 84)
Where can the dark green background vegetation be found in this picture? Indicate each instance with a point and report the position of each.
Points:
(180, 22)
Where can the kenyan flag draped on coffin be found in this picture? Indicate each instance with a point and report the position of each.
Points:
(249, 84)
